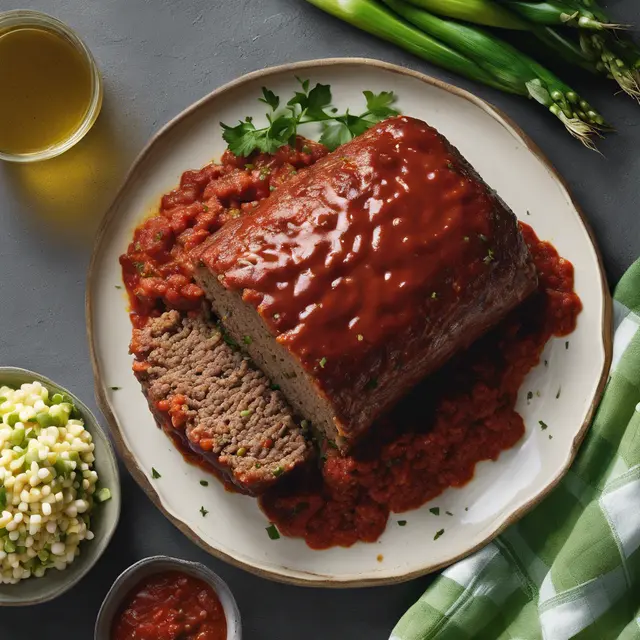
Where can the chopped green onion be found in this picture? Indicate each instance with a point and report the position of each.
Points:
(102, 495)
(278, 471)
(322, 362)
(543, 425)
(154, 474)
(402, 523)
(435, 511)
(204, 483)
(203, 511)
(245, 413)
(272, 532)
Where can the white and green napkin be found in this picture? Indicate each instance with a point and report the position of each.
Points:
(571, 567)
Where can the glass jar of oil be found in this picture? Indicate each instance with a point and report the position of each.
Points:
(50, 87)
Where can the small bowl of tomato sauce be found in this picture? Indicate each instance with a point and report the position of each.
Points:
(163, 598)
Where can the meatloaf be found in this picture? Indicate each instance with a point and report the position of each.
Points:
(206, 389)
(366, 272)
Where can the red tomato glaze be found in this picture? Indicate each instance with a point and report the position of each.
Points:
(171, 606)
(434, 438)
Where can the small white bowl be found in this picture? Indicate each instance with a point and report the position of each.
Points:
(137, 572)
(105, 517)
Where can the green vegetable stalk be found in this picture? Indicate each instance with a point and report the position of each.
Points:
(373, 18)
(523, 74)
(506, 67)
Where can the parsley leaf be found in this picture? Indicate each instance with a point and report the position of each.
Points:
(306, 106)
(380, 105)
(270, 98)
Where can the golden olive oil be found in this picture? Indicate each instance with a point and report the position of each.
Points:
(45, 89)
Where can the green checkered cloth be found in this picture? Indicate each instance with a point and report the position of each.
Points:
(571, 567)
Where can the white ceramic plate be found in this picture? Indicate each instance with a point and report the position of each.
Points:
(501, 491)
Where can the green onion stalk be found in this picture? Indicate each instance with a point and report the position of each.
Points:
(520, 72)
(613, 55)
(598, 50)
(558, 13)
(472, 53)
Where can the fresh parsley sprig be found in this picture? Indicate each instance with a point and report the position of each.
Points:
(306, 106)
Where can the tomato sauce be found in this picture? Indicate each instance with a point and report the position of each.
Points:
(171, 606)
(434, 438)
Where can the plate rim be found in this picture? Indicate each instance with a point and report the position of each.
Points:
(100, 390)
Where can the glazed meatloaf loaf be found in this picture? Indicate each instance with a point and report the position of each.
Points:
(365, 272)
(205, 389)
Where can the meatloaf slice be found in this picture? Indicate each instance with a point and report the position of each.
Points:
(228, 411)
(366, 272)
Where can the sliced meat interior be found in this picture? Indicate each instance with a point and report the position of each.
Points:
(207, 389)
(366, 272)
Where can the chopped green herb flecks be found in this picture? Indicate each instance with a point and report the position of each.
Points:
(546, 363)
(203, 511)
(449, 513)
(360, 337)
(247, 339)
(402, 523)
(529, 396)
(566, 344)
(154, 474)
(272, 532)
(559, 392)
(245, 413)
(275, 387)
(466, 238)
(242, 452)
(482, 237)
(434, 296)
(322, 362)
(489, 257)
(264, 173)
(332, 444)
(435, 511)
(450, 165)
(118, 286)
(271, 188)
(550, 437)
(278, 471)
(543, 425)
(248, 167)
(438, 534)
(276, 316)
(258, 465)
(115, 388)
(204, 483)
(538, 395)
(528, 212)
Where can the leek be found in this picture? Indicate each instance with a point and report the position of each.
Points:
(514, 69)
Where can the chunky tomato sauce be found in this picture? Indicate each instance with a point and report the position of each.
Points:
(434, 438)
(171, 606)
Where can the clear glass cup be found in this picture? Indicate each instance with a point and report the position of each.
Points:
(21, 19)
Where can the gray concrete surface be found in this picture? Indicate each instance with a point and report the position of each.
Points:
(158, 56)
